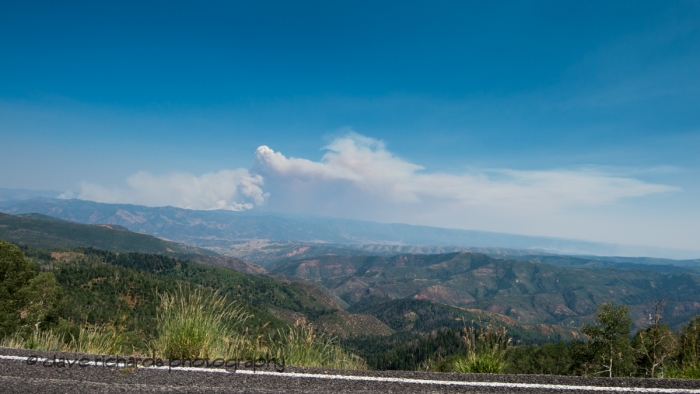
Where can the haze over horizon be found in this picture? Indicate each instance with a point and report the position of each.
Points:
(577, 121)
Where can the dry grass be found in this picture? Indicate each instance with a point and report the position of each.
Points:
(199, 323)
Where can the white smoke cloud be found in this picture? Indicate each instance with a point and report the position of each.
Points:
(235, 190)
(358, 177)
(365, 165)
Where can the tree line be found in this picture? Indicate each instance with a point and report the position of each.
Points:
(611, 350)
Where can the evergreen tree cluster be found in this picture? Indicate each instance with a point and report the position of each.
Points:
(30, 298)
(611, 349)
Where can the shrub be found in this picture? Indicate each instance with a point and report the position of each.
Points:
(549, 359)
(686, 372)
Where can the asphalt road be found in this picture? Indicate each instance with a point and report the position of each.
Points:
(23, 371)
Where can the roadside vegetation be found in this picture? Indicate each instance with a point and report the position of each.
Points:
(611, 350)
(92, 301)
(485, 351)
(191, 321)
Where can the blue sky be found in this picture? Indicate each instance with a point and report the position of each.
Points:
(545, 118)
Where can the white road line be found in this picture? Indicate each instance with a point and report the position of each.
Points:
(399, 380)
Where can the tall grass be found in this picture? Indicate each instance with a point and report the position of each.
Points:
(686, 371)
(485, 350)
(301, 345)
(200, 323)
(304, 346)
(194, 322)
(101, 339)
(44, 340)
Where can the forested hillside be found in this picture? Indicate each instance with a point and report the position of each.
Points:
(41, 231)
(528, 292)
(47, 232)
(104, 287)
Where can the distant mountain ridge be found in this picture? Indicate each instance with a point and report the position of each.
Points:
(26, 194)
(40, 231)
(218, 229)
